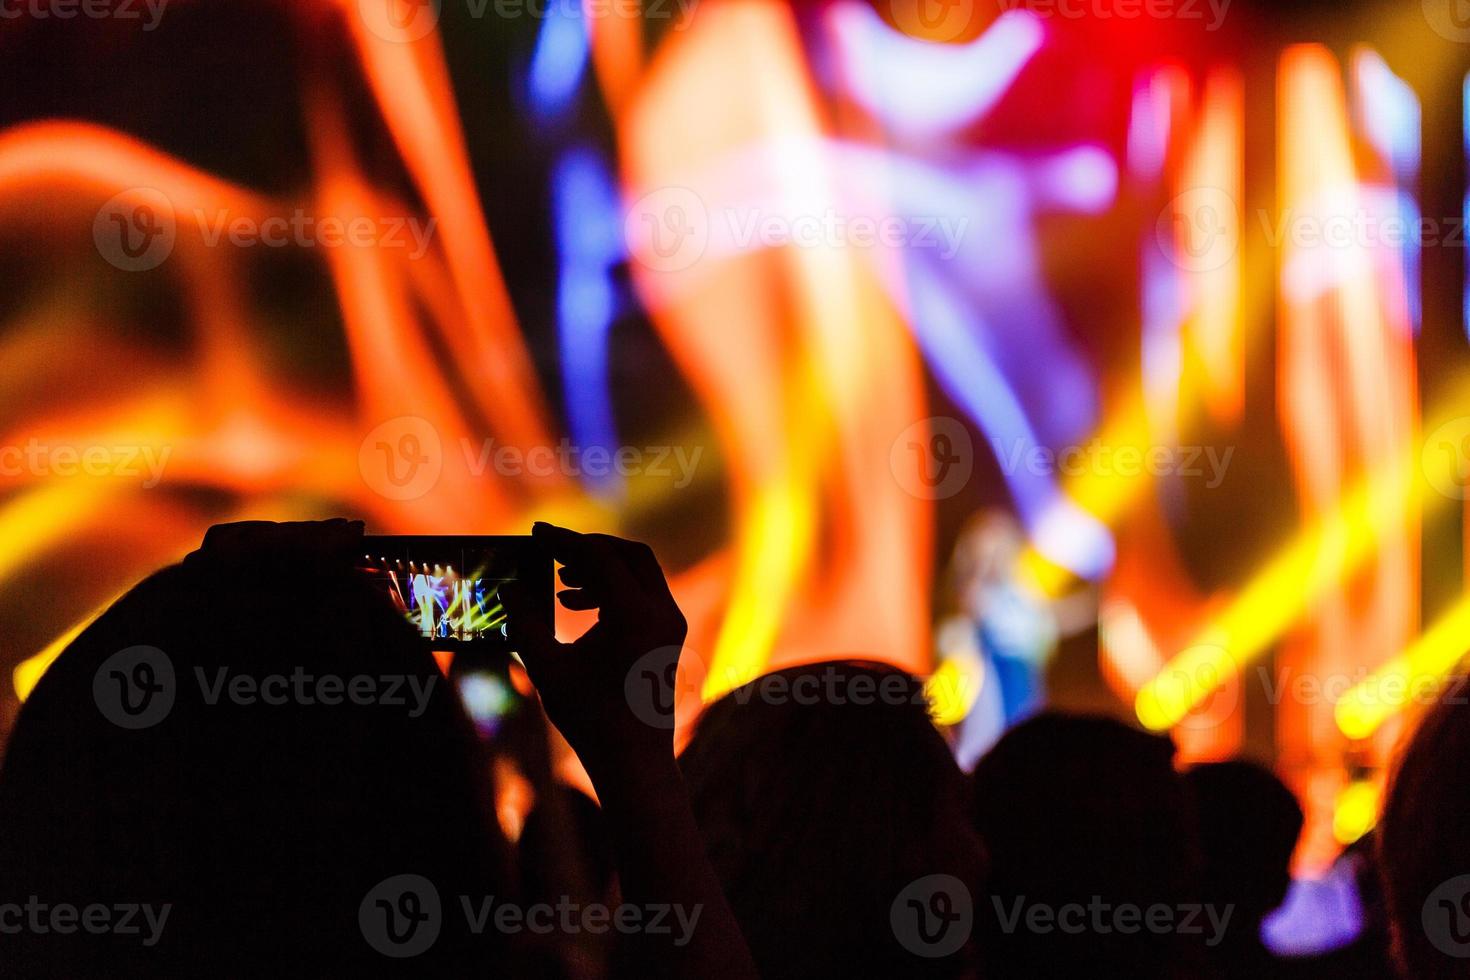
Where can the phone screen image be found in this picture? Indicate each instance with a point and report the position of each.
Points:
(448, 588)
(443, 602)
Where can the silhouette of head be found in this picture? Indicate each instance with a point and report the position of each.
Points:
(1424, 842)
(823, 792)
(1248, 827)
(256, 739)
(1082, 811)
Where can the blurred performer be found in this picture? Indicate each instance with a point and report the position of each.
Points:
(997, 629)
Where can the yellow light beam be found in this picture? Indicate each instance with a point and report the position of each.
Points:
(1315, 558)
(28, 672)
(1429, 479)
(1411, 677)
(1356, 811)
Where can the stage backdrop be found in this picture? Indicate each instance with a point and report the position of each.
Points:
(1168, 294)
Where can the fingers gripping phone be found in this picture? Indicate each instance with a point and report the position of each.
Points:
(448, 588)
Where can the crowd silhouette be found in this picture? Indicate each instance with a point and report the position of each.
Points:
(224, 777)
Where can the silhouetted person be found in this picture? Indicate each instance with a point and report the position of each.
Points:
(1424, 843)
(170, 761)
(646, 811)
(263, 827)
(1248, 827)
(1088, 828)
(823, 793)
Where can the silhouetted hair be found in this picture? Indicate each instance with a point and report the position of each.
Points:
(1248, 827)
(1076, 810)
(1424, 842)
(1249, 823)
(818, 811)
(264, 826)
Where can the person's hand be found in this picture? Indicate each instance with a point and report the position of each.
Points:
(584, 684)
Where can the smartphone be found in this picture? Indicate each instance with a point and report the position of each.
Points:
(448, 588)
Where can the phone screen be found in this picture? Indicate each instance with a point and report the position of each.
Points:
(448, 588)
